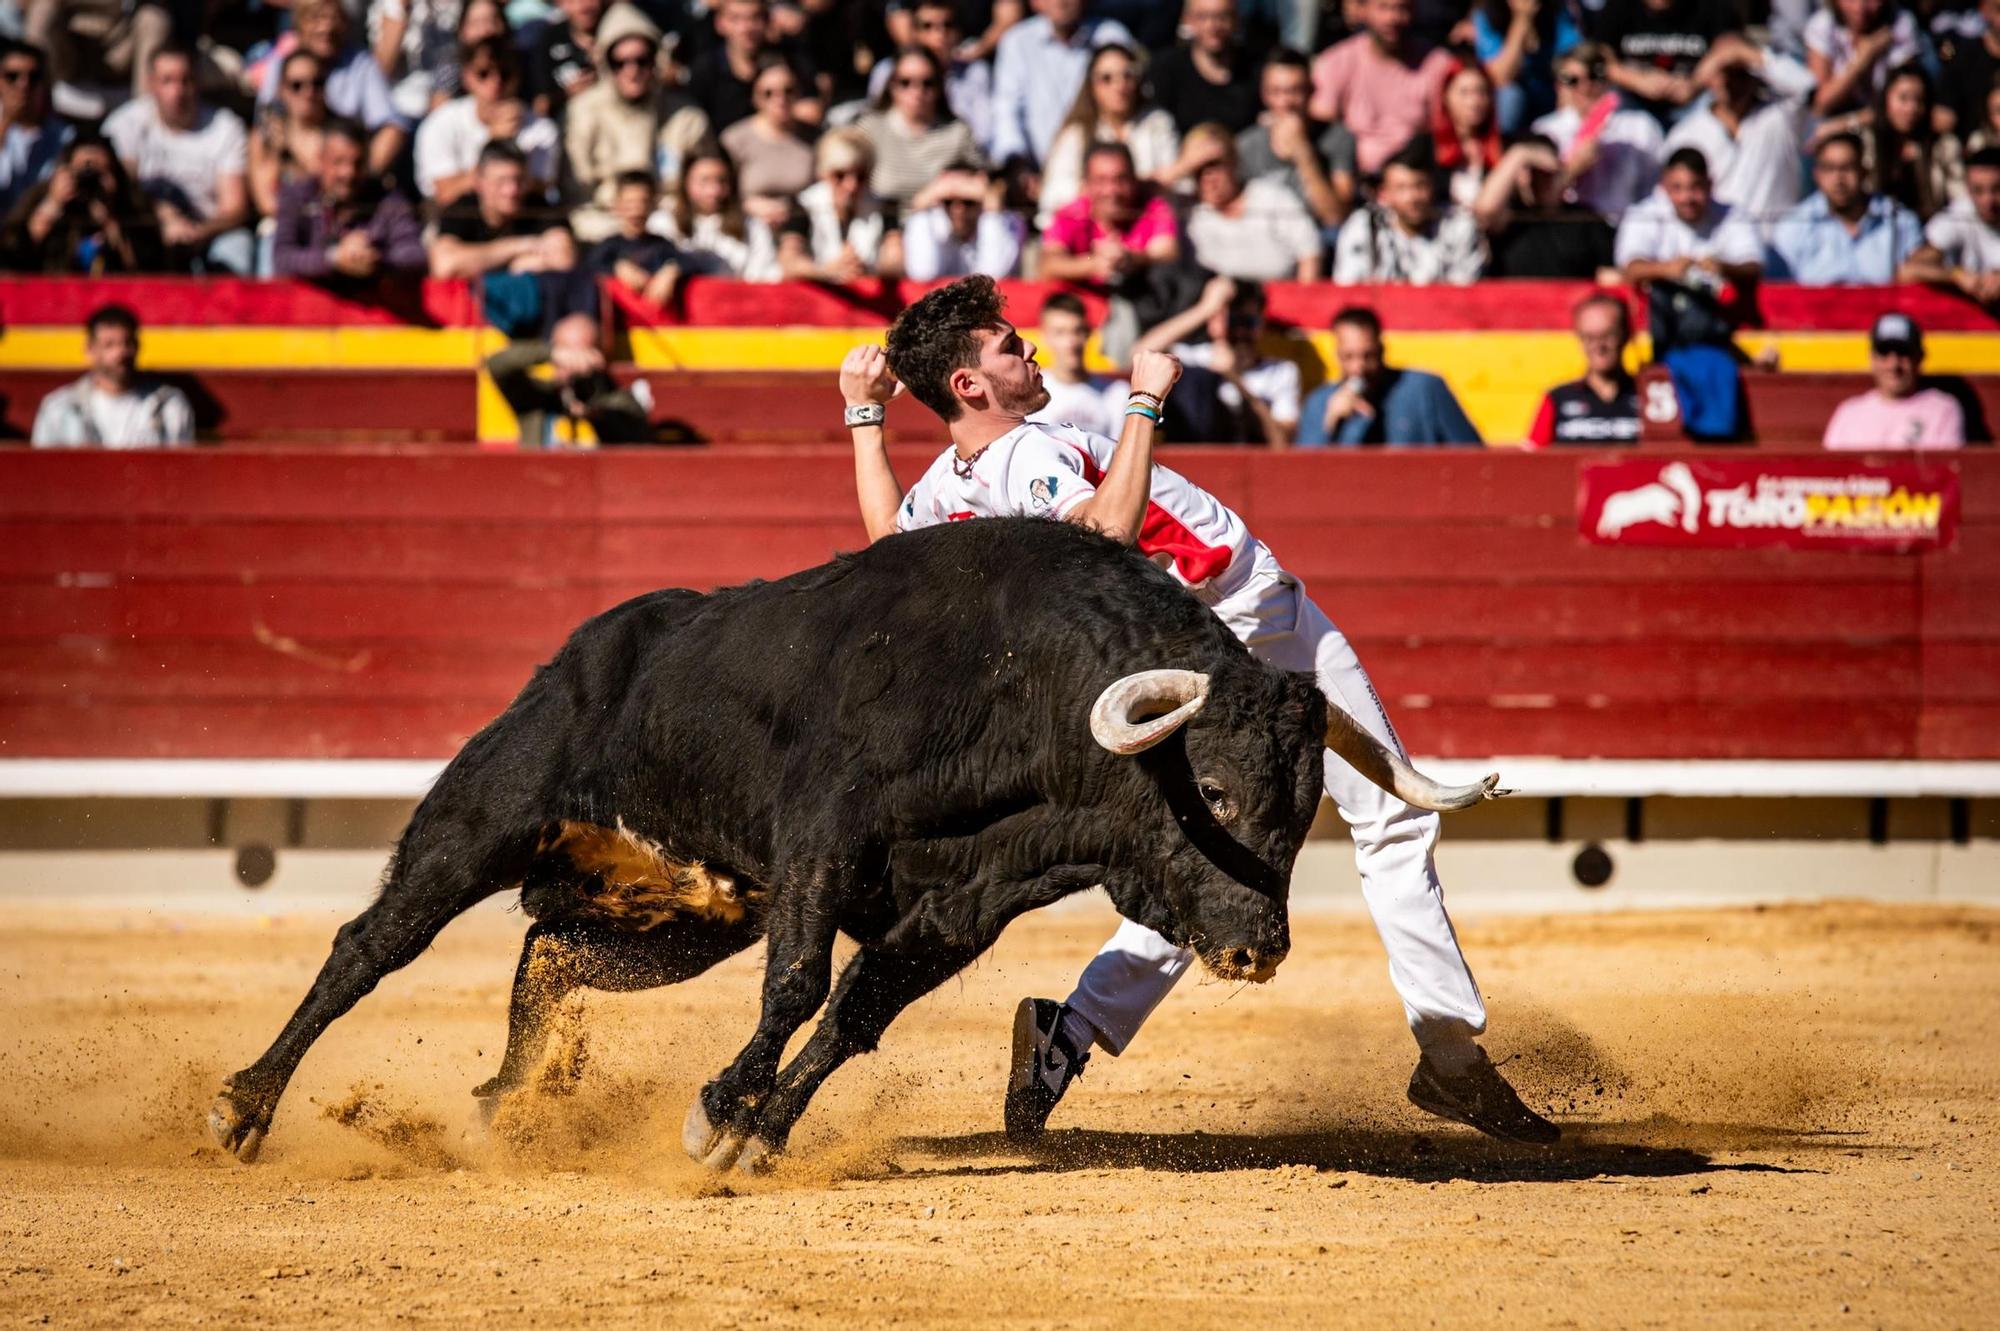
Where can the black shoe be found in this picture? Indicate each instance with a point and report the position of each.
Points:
(1480, 1098)
(1044, 1065)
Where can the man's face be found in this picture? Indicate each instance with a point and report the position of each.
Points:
(112, 352)
(1600, 328)
(1062, 14)
(634, 67)
(500, 186)
(1211, 24)
(1358, 352)
(323, 30)
(1837, 172)
(486, 80)
(1687, 191)
(1285, 90)
(633, 205)
(743, 24)
(172, 86)
(339, 168)
(20, 85)
(1983, 184)
(1007, 372)
(1895, 371)
(1063, 337)
(1387, 20)
(935, 28)
(1407, 193)
(1111, 188)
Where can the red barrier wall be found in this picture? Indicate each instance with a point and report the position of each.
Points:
(374, 603)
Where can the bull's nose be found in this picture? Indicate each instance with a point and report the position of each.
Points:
(1256, 964)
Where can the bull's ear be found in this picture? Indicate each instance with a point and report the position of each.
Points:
(1138, 711)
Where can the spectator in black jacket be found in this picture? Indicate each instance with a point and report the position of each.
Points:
(87, 217)
(1213, 78)
(645, 264)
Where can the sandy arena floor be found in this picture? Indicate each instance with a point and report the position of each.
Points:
(1777, 1118)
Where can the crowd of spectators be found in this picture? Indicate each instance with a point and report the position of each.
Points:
(1692, 146)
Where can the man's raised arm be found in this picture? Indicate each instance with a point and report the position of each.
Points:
(865, 381)
(1118, 509)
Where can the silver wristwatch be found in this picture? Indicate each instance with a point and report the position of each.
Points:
(868, 413)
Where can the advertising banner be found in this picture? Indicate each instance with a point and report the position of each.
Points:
(1800, 503)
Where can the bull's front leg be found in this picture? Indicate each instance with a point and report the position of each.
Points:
(798, 971)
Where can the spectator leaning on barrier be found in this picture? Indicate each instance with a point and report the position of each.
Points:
(87, 217)
(1037, 69)
(1371, 402)
(355, 87)
(1256, 397)
(342, 224)
(1212, 77)
(1899, 412)
(1093, 402)
(1377, 83)
(575, 391)
(627, 121)
(31, 137)
(564, 59)
(191, 160)
(1962, 244)
(914, 134)
(840, 230)
(1255, 230)
(960, 225)
(1752, 132)
(1610, 156)
(490, 230)
(1404, 237)
(449, 140)
(113, 406)
(1603, 406)
(968, 83)
(1315, 162)
(1109, 108)
(1842, 235)
(1531, 230)
(704, 218)
(1682, 234)
(643, 263)
(1116, 228)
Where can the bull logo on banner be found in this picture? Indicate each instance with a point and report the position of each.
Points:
(1674, 499)
(1801, 503)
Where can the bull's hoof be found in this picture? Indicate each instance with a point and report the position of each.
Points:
(490, 1095)
(238, 1124)
(759, 1156)
(709, 1146)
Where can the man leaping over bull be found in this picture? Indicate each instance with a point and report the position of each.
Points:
(956, 352)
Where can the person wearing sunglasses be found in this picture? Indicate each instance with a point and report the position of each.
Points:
(1610, 155)
(355, 85)
(286, 141)
(840, 231)
(449, 140)
(630, 119)
(31, 137)
(968, 79)
(913, 130)
(720, 80)
(1110, 107)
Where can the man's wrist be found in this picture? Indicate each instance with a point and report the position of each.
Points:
(859, 414)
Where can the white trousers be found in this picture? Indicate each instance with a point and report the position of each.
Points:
(1392, 849)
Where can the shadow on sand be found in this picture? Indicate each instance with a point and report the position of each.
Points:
(1586, 1152)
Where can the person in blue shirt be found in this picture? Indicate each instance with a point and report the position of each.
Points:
(1373, 402)
(1842, 235)
(1518, 41)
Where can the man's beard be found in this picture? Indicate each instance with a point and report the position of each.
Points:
(1028, 401)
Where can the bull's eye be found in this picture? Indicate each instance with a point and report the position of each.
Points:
(1217, 799)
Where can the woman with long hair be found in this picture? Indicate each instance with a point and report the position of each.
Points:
(912, 128)
(704, 218)
(1907, 158)
(1463, 140)
(1853, 45)
(1110, 107)
(286, 142)
(87, 217)
(772, 150)
(1986, 134)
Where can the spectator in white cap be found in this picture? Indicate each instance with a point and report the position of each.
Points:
(1899, 413)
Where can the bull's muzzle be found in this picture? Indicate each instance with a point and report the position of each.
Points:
(1253, 964)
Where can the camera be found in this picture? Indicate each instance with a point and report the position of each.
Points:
(89, 180)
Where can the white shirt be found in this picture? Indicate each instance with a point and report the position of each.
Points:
(825, 235)
(1653, 230)
(449, 140)
(1035, 78)
(931, 251)
(1095, 403)
(180, 166)
(1964, 240)
(150, 415)
(709, 251)
(1759, 169)
(1628, 158)
(1151, 139)
(1045, 471)
(1265, 242)
(1273, 382)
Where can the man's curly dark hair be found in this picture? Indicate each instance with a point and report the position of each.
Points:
(933, 337)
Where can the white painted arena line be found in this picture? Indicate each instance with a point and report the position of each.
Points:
(372, 778)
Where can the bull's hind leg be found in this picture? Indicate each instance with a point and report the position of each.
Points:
(419, 899)
(561, 956)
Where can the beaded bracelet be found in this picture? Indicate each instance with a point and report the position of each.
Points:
(1137, 408)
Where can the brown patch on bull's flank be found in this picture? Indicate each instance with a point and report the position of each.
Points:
(631, 881)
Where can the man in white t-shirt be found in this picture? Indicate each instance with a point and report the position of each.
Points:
(1093, 402)
(1681, 234)
(1962, 244)
(190, 160)
(957, 353)
(1256, 396)
(449, 139)
(113, 406)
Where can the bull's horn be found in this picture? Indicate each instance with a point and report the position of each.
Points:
(1387, 769)
(1138, 711)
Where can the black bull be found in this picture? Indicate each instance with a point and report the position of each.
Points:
(911, 745)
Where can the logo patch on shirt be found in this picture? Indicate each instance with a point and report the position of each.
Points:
(1042, 493)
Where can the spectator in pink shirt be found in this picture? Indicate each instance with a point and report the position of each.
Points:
(1375, 84)
(1899, 413)
(1114, 229)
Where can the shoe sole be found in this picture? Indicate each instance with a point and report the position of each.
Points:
(1455, 1115)
(1020, 1076)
